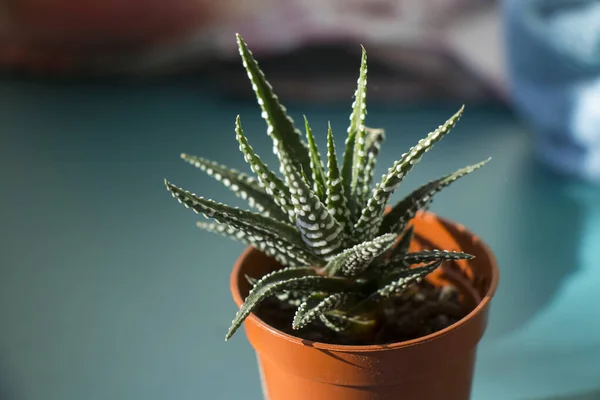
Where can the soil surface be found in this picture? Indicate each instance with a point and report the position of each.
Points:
(419, 311)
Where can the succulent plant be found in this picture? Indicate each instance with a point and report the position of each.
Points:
(341, 254)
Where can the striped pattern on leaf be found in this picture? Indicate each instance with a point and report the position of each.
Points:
(287, 140)
(353, 261)
(406, 209)
(315, 305)
(319, 229)
(373, 145)
(316, 164)
(289, 281)
(402, 279)
(274, 186)
(372, 214)
(256, 225)
(285, 254)
(336, 200)
(244, 186)
(354, 153)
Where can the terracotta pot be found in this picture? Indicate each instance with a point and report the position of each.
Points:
(433, 367)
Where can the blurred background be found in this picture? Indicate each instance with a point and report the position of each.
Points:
(108, 291)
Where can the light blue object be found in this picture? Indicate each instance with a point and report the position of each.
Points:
(553, 49)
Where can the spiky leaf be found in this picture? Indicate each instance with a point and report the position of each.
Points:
(374, 139)
(285, 254)
(316, 164)
(256, 225)
(290, 297)
(272, 185)
(242, 185)
(372, 214)
(397, 219)
(336, 200)
(289, 281)
(287, 140)
(354, 153)
(354, 260)
(316, 305)
(402, 279)
(319, 229)
(408, 259)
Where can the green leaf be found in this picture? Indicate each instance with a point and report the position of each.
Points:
(402, 279)
(296, 281)
(316, 305)
(373, 144)
(372, 214)
(316, 164)
(319, 229)
(287, 140)
(397, 219)
(283, 253)
(406, 260)
(286, 273)
(244, 186)
(269, 181)
(290, 297)
(354, 154)
(336, 200)
(255, 225)
(355, 260)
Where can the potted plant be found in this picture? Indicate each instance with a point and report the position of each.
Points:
(341, 295)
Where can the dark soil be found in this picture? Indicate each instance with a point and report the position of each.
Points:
(421, 310)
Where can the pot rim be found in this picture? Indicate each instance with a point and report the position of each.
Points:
(234, 286)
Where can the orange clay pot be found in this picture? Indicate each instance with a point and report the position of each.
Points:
(434, 367)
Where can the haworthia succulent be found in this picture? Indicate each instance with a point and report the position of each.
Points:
(354, 153)
(336, 200)
(297, 283)
(319, 229)
(397, 219)
(274, 186)
(256, 225)
(354, 260)
(316, 305)
(244, 186)
(283, 253)
(372, 214)
(316, 164)
(327, 229)
(287, 140)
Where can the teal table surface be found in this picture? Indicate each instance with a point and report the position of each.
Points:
(109, 291)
